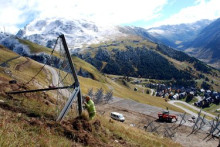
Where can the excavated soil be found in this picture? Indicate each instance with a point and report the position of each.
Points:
(182, 134)
(80, 130)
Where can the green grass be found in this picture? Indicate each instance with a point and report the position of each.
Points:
(79, 63)
(190, 102)
(212, 109)
(121, 44)
(193, 110)
(19, 134)
(6, 54)
(26, 72)
(15, 129)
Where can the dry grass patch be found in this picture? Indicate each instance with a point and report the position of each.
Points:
(134, 135)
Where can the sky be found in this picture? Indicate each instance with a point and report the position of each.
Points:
(15, 14)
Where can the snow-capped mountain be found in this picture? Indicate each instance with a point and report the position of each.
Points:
(77, 32)
(177, 36)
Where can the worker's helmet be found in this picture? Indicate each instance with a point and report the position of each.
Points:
(87, 98)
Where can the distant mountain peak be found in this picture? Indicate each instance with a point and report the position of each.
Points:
(170, 34)
(77, 32)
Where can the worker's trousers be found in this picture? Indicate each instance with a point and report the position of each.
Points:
(92, 115)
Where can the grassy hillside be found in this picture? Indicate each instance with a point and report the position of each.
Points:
(101, 81)
(35, 48)
(149, 60)
(21, 68)
(211, 76)
(22, 125)
(132, 58)
(28, 119)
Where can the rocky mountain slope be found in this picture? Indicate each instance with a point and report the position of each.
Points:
(199, 39)
(178, 36)
(206, 46)
(77, 32)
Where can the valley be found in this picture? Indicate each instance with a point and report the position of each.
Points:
(146, 78)
(110, 73)
(38, 111)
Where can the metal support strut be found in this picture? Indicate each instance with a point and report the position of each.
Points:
(76, 86)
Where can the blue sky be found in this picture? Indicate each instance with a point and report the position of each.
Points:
(15, 14)
(171, 8)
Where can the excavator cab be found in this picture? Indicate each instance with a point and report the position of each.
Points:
(166, 112)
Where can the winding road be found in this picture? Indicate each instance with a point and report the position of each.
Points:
(66, 93)
(188, 111)
(56, 82)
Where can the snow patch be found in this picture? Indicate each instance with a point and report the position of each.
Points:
(156, 31)
(78, 33)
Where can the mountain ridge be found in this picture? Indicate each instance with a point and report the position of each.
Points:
(77, 32)
(201, 42)
(206, 46)
(177, 36)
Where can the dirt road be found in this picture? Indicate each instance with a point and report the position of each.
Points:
(138, 115)
(23, 64)
(56, 82)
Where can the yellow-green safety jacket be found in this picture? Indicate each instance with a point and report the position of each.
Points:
(90, 106)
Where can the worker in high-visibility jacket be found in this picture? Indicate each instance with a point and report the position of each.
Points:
(89, 104)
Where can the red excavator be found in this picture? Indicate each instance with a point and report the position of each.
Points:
(166, 116)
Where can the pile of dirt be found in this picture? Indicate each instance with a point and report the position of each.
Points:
(87, 132)
(5, 86)
(84, 130)
(81, 124)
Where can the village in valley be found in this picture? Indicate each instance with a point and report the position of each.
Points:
(204, 97)
(199, 97)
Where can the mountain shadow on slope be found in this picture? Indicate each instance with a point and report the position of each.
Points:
(181, 56)
(134, 61)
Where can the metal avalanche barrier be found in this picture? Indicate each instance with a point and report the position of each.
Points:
(66, 82)
(200, 123)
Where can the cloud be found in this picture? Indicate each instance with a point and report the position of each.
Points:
(14, 13)
(201, 10)
(102, 11)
